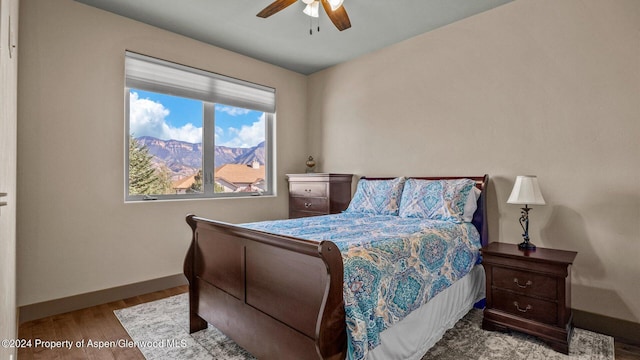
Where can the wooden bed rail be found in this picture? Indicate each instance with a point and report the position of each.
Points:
(241, 280)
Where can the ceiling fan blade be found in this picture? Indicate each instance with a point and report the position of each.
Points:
(274, 7)
(338, 17)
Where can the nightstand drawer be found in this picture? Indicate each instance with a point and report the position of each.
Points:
(525, 306)
(308, 189)
(529, 291)
(525, 282)
(309, 204)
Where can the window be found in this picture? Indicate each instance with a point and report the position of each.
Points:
(195, 134)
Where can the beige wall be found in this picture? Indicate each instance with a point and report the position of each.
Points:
(75, 233)
(542, 87)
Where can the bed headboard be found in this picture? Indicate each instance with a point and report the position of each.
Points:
(480, 220)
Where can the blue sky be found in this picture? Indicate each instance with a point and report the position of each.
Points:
(169, 117)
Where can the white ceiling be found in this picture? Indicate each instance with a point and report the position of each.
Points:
(283, 39)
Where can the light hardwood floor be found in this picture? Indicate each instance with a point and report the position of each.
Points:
(100, 324)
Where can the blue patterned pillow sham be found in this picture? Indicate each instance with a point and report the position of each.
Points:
(380, 197)
(435, 199)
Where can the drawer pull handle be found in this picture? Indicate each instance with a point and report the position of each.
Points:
(307, 205)
(526, 285)
(307, 190)
(522, 310)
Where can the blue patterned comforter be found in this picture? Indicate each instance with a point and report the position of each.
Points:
(392, 264)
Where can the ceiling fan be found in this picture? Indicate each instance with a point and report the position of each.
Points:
(333, 8)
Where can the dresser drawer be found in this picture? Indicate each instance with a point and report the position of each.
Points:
(309, 204)
(524, 282)
(308, 189)
(295, 214)
(313, 194)
(525, 306)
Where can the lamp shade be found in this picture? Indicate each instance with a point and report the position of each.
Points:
(526, 191)
(312, 9)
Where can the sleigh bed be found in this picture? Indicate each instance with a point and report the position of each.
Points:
(299, 288)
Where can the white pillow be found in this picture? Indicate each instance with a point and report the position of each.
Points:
(471, 205)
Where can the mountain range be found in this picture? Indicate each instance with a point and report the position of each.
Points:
(185, 159)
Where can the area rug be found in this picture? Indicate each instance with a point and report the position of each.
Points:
(160, 329)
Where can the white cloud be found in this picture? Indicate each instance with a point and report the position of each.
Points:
(233, 111)
(218, 133)
(248, 135)
(147, 118)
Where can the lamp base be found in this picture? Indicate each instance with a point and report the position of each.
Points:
(526, 245)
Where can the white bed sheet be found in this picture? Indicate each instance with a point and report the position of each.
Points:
(412, 337)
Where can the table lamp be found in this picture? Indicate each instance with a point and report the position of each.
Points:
(526, 192)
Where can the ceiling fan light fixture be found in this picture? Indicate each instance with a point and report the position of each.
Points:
(312, 9)
(335, 4)
(333, 8)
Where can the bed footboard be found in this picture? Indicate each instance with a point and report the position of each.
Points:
(276, 296)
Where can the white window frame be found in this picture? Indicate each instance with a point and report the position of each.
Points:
(151, 74)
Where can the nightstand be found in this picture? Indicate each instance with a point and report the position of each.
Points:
(314, 194)
(530, 292)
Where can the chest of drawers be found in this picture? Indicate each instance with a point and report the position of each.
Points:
(529, 291)
(315, 194)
